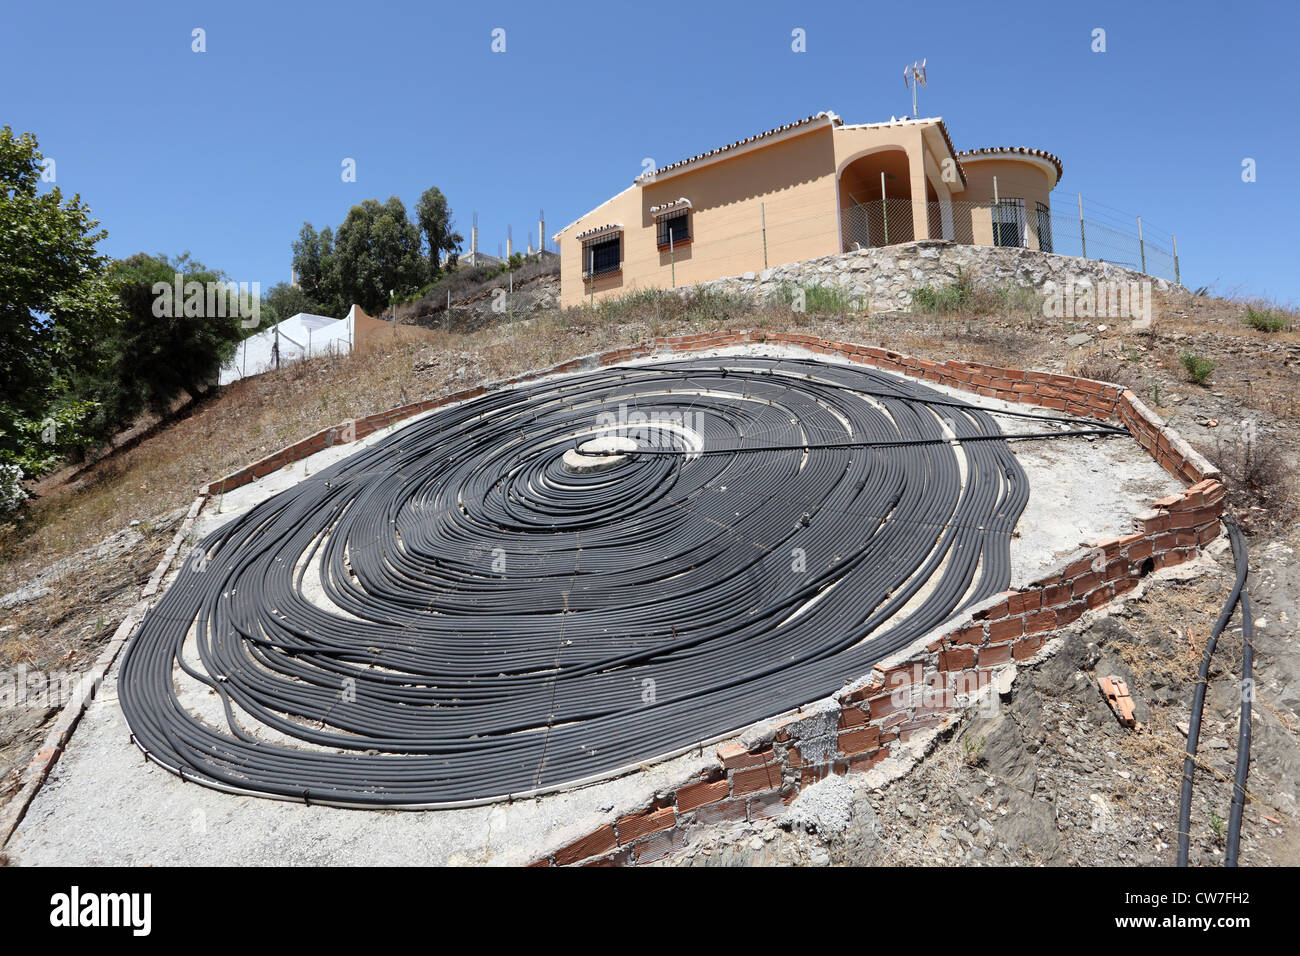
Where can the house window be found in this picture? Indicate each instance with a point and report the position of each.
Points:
(1009, 222)
(674, 230)
(1044, 227)
(603, 256)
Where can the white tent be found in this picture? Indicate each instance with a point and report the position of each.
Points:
(297, 337)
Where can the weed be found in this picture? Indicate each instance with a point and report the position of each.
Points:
(1266, 320)
(972, 750)
(829, 300)
(1259, 477)
(956, 296)
(1218, 826)
(963, 296)
(1198, 367)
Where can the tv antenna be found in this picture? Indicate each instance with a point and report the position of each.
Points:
(913, 77)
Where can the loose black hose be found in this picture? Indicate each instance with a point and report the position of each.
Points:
(1243, 734)
(450, 616)
(1237, 596)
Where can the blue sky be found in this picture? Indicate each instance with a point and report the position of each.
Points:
(227, 152)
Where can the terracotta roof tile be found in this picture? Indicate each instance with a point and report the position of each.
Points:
(1021, 150)
(806, 121)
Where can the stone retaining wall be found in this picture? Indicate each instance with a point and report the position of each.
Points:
(884, 278)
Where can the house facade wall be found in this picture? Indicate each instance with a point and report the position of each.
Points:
(790, 183)
(912, 156)
(792, 198)
(1017, 179)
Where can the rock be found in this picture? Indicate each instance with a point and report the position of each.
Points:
(1074, 341)
(824, 808)
(1006, 677)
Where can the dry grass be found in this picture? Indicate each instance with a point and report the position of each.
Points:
(1261, 485)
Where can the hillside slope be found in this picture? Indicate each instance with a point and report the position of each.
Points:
(60, 620)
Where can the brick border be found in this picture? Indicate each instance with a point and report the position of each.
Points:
(866, 719)
(1070, 394)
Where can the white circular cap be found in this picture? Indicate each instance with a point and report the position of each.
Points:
(598, 454)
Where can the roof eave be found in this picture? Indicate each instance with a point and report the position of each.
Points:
(823, 120)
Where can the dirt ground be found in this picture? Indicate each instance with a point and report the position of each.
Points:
(56, 624)
(1053, 779)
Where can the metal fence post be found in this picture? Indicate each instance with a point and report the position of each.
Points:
(1178, 279)
(884, 205)
(1083, 238)
(1142, 249)
(993, 212)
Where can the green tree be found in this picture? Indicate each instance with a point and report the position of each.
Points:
(435, 223)
(311, 252)
(376, 252)
(167, 343)
(328, 295)
(54, 307)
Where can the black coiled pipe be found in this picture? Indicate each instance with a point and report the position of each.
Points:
(489, 624)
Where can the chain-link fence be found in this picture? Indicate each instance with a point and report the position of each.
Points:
(1104, 234)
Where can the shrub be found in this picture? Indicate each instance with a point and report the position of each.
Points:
(1100, 368)
(1198, 367)
(1266, 320)
(711, 303)
(780, 297)
(1017, 298)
